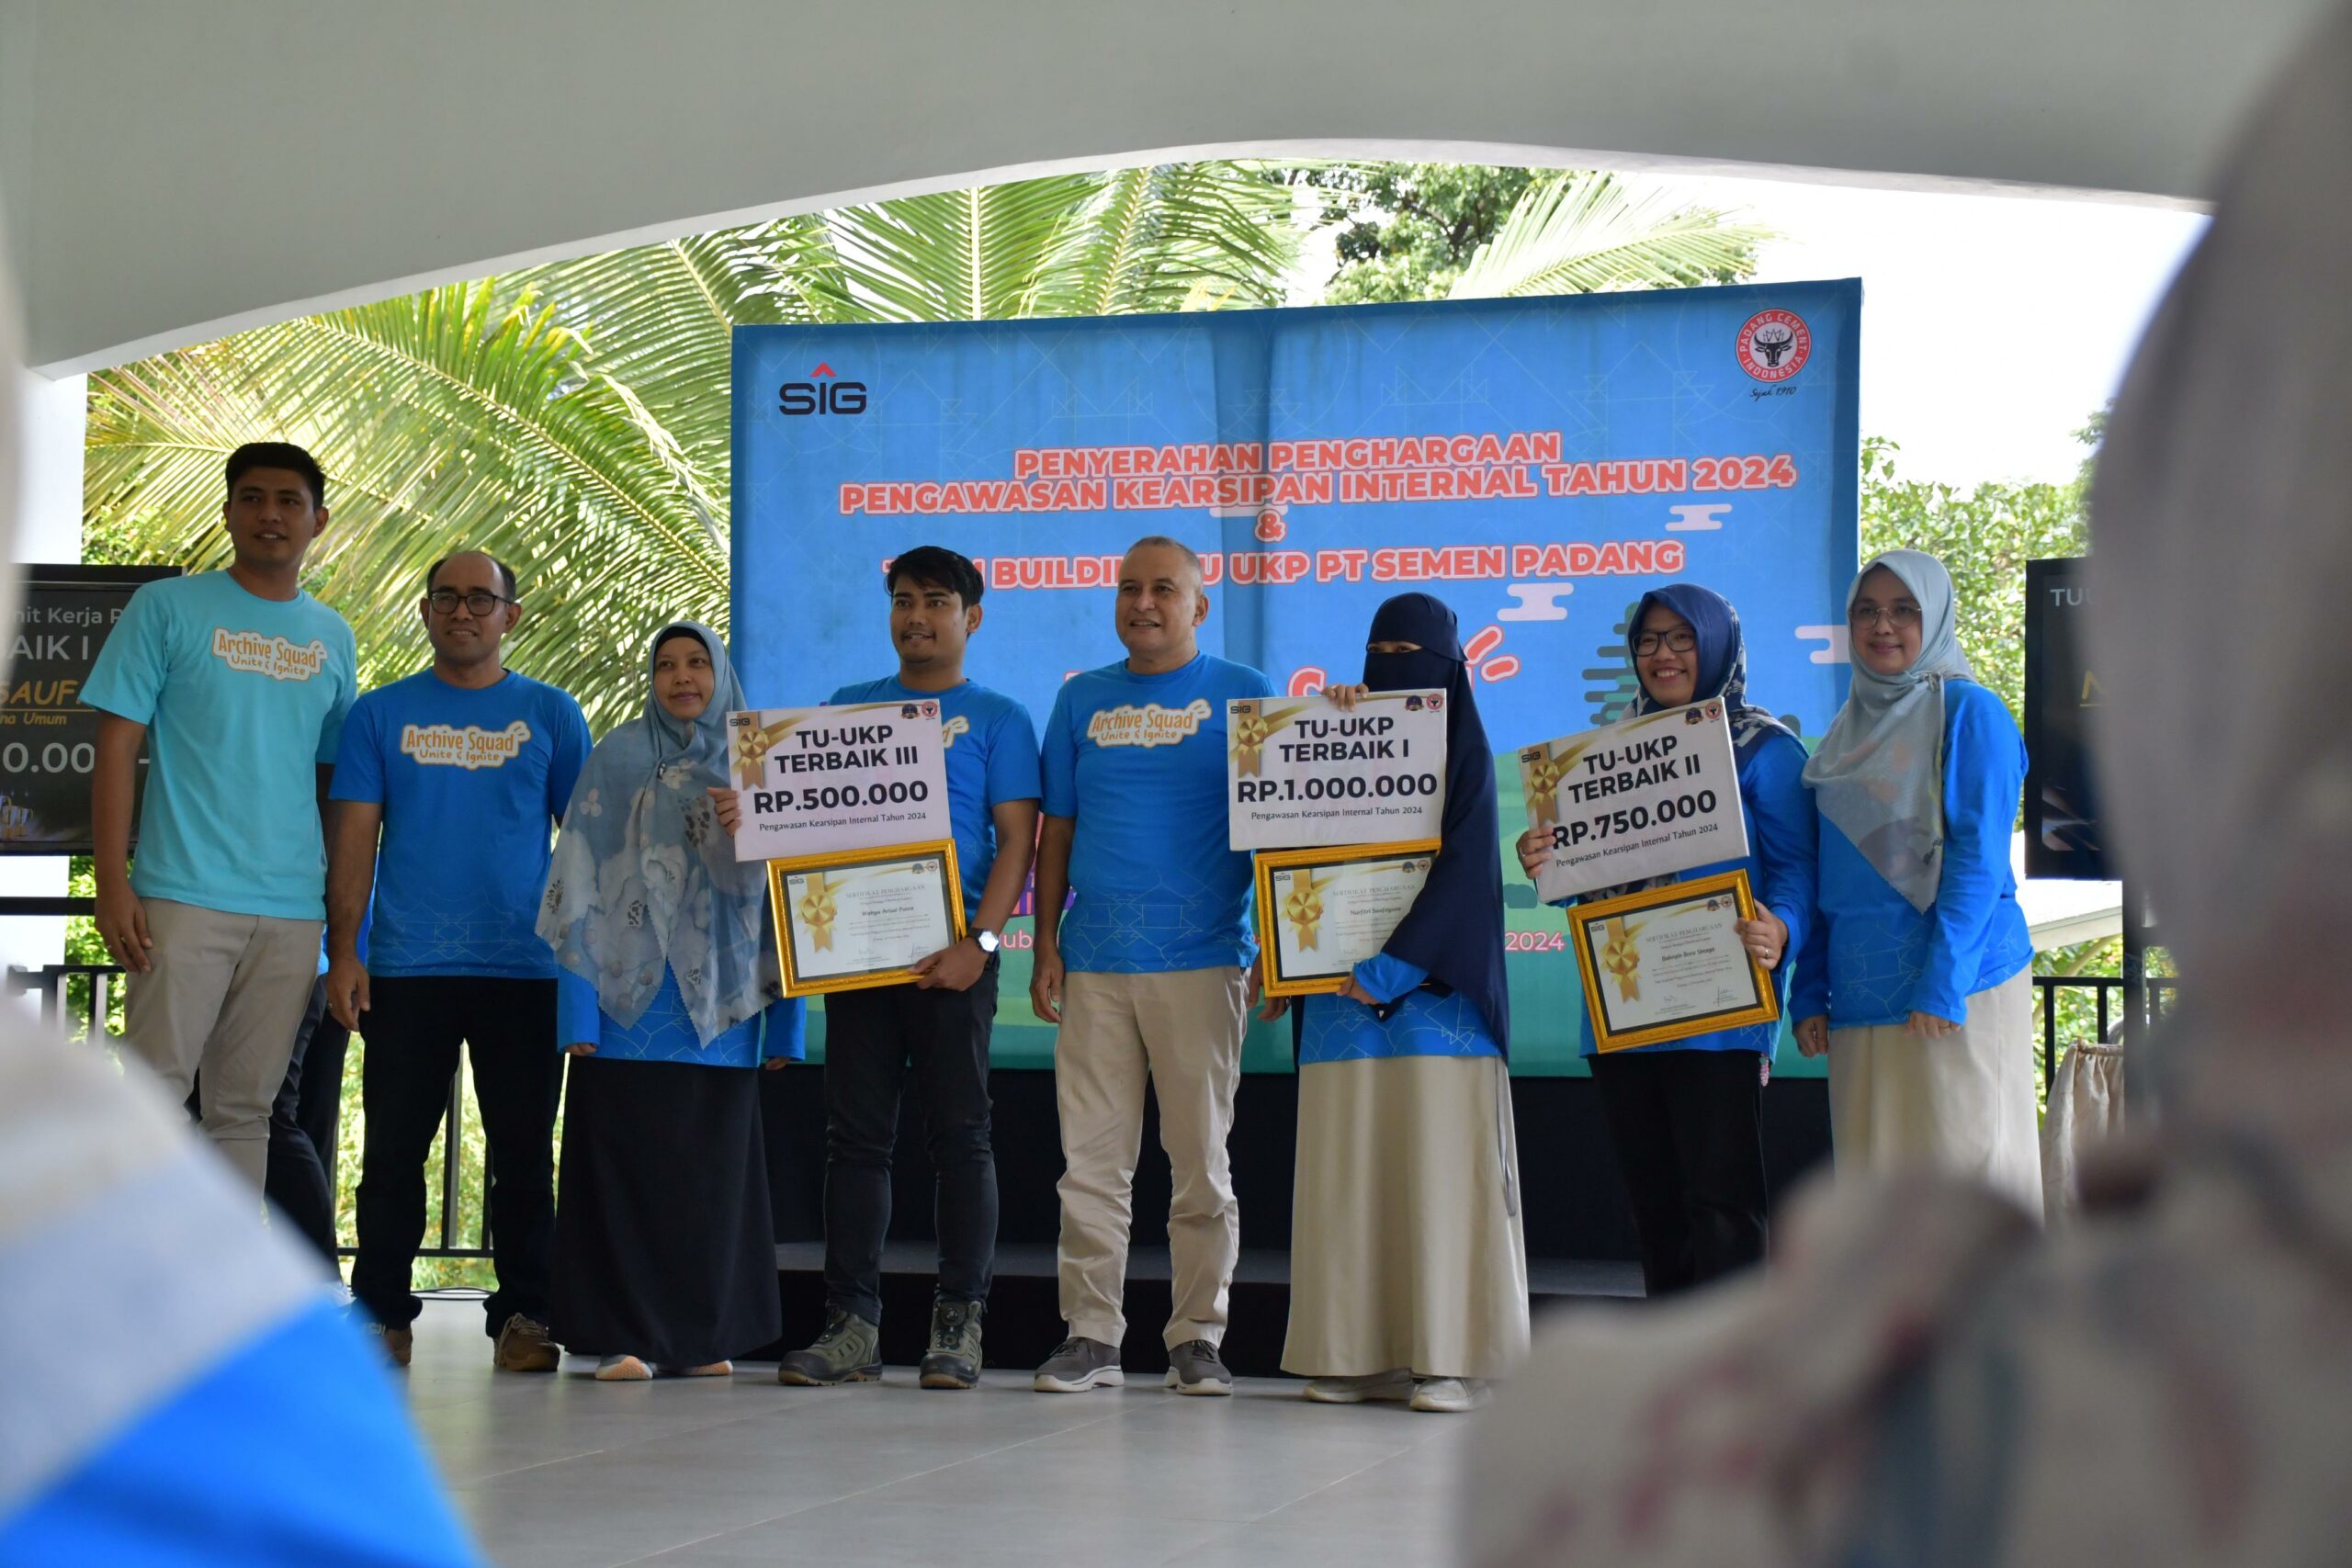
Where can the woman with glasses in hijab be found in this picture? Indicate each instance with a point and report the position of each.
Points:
(1408, 1266)
(664, 1253)
(1919, 985)
(1686, 1116)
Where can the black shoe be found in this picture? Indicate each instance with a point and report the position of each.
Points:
(954, 1359)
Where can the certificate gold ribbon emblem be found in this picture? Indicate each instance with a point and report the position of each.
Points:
(753, 741)
(1253, 729)
(1623, 958)
(817, 911)
(1543, 774)
(1303, 906)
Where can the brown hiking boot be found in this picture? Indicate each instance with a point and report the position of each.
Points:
(395, 1343)
(522, 1347)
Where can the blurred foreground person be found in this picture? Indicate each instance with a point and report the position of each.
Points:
(249, 1424)
(1922, 1377)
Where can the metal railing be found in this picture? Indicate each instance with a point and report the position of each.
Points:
(2114, 1004)
(51, 983)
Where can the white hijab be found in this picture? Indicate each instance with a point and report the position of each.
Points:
(1879, 774)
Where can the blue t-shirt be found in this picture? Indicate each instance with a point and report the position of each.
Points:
(243, 698)
(470, 783)
(1139, 761)
(1874, 959)
(991, 758)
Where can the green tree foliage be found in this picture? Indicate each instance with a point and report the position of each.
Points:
(1984, 536)
(1456, 230)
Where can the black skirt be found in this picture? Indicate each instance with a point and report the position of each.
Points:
(664, 1246)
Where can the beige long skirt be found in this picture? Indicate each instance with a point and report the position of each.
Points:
(1962, 1104)
(1407, 1250)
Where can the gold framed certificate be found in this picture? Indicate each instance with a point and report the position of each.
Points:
(855, 919)
(1323, 911)
(1667, 963)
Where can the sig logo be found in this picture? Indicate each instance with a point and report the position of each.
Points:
(823, 392)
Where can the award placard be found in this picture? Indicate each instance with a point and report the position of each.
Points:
(860, 776)
(857, 919)
(1667, 963)
(1300, 772)
(1643, 797)
(1323, 911)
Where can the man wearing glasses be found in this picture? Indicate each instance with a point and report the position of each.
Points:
(444, 791)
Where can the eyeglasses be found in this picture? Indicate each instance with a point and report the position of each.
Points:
(480, 603)
(1682, 640)
(1900, 615)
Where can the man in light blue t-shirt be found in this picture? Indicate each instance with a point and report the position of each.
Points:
(237, 681)
(448, 786)
(1148, 974)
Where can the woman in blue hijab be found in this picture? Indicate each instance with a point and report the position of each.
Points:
(1686, 1116)
(1408, 1266)
(665, 1254)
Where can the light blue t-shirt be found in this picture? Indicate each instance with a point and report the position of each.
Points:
(991, 758)
(243, 698)
(1139, 761)
(472, 782)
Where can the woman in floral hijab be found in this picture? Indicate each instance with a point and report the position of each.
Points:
(666, 1256)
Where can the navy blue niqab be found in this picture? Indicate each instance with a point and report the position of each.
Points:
(1454, 930)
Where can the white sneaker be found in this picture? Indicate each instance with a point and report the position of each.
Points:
(1396, 1384)
(1449, 1395)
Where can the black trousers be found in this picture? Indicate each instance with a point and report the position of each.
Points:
(413, 1026)
(303, 1121)
(872, 1038)
(1689, 1129)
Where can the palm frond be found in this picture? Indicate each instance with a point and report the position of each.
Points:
(448, 420)
(967, 256)
(1586, 233)
(1168, 238)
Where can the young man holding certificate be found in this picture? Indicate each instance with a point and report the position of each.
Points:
(1149, 974)
(937, 1027)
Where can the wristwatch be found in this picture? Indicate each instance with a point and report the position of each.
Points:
(987, 938)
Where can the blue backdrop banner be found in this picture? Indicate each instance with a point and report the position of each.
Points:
(1538, 464)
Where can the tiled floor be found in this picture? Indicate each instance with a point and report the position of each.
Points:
(566, 1471)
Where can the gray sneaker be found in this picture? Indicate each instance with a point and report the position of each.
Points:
(954, 1359)
(1193, 1368)
(849, 1351)
(1077, 1364)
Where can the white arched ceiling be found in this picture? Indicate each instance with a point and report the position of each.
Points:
(175, 170)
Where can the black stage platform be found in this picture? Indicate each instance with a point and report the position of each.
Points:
(1579, 1235)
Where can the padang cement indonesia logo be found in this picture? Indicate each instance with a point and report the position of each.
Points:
(1774, 345)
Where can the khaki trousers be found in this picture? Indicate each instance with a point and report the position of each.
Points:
(1180, 1032)
(1962, 1104)
(226, 995)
